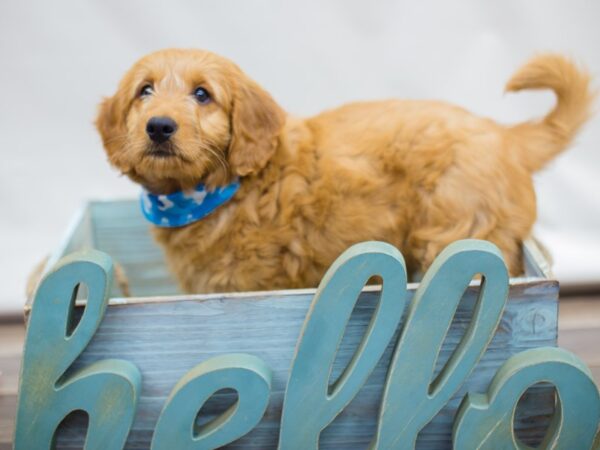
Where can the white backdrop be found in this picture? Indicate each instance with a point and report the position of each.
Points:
(58, 58)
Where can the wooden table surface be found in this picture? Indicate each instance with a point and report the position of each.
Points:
(579, 331)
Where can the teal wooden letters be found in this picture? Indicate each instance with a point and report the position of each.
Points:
(310, 405)
(411, 397)
(247, 374)
(485, 421)
(106, 390)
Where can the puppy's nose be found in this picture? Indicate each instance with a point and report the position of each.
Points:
(160, 129)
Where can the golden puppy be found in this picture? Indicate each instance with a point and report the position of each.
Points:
(417, 174)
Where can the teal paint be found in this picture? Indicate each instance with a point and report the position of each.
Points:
(187, 330)
(107, 390)
(246, 374)
(411, 397)
(309, 405)
(485, 421)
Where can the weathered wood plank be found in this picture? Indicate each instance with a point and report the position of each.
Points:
(536, 260)
(165, 334)
(106, 391)
(121, 231)
(165, 340)
(12, 335)
(577, 411)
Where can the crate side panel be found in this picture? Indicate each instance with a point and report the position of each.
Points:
(121, 231)
(165, 340)
(536, 260)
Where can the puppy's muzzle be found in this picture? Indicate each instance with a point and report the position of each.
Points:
(160, 129)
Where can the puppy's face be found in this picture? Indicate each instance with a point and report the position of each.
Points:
(181, 117)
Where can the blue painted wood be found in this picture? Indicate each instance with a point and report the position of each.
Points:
(106, 390)
(248, 375)
(167, 336)
(166, 339)
(412, 397)
(485, 421)
(310, 402)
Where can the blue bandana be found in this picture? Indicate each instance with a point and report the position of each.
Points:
(185, 207)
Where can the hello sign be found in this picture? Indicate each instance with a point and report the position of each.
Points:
(109, 390)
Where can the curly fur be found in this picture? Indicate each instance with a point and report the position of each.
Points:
(417, 174)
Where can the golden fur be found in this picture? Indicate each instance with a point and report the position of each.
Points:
(417, 174)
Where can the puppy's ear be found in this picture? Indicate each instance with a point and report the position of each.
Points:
(256, 122)
(110, 123)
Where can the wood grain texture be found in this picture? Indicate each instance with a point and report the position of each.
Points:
(485, 421)
(314, 395)
(580, 339)
(430, 314)
(166, 340)
(165, 334)
(107, 390)
(246, 374)
(120, 230)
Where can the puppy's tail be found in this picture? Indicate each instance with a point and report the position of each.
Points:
(540, 141)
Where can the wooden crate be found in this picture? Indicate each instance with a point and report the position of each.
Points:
(165, 333)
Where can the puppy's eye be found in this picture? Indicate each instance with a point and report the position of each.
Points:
(146, 90)
(202, 95)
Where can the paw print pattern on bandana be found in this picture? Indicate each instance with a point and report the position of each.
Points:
(165, 202)
(196, 195)
(184, 207)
